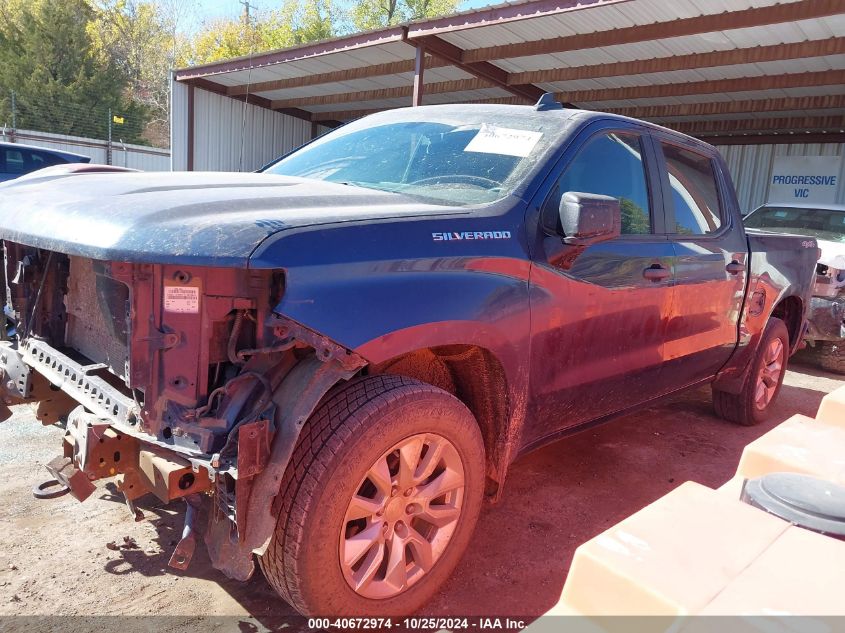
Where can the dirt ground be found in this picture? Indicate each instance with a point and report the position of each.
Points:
(54, 557)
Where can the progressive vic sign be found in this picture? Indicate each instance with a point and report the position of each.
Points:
(805, 179)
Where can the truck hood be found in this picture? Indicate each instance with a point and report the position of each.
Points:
(833, 254)
(200, 218)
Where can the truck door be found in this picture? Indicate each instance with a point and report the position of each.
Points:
(598, 315)
(711, 257)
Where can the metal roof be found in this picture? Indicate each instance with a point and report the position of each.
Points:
(712, 68)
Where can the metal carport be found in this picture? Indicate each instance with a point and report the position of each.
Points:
(758, 78)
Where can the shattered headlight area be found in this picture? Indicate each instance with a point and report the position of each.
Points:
(829, 280)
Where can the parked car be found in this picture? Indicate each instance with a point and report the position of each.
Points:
(825, 223)
(17, 160)
(338, 358)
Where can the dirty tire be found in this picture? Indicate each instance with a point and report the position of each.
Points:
(830, 356)
(350, 431)
(741, 408)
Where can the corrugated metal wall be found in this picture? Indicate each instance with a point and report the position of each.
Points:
(232, 136)
(751, 166)
(219, 144)
(178, 126)
(132, 156)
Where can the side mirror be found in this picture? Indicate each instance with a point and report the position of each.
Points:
(588, 218)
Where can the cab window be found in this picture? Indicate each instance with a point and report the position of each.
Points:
(610, 164)
(14, 162)
(695, 193)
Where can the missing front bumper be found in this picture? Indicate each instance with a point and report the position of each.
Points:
(826, 319)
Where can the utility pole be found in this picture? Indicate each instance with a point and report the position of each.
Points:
(247, 18)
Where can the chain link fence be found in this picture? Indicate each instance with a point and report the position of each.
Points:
(106, 135)
(100, 122)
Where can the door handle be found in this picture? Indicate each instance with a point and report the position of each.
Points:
(656, 272)
(735, 267)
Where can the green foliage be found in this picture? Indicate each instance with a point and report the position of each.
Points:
(142, 38)
(295, 22)
(301, 21)
(70, 61)
(635, 220)
(374, 14)
(61, 84)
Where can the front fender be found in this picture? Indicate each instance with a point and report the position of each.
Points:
(379, 314)
(384, 289)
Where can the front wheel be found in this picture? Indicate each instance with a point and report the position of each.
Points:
(753, 404)
(379, 502)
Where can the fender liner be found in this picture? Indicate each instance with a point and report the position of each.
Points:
(296, 399)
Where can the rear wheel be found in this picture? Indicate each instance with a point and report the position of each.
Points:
(379, 502)
(752, 405)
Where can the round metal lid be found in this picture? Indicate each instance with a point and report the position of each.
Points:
(805, 501)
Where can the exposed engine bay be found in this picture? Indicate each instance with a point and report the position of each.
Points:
(164, 377)
(827, 306)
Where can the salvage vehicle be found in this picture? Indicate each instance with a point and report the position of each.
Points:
(337, 359)
(826, 318)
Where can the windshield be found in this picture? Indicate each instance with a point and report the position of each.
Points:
(466, 157)
(824, 224)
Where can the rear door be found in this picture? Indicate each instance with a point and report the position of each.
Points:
(711, 259)
(598, 314)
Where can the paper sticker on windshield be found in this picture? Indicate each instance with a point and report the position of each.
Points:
(182, 299)
(502, 140)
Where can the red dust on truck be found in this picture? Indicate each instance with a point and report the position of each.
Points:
(338, 358)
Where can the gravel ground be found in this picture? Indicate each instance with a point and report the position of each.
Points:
(54, 558)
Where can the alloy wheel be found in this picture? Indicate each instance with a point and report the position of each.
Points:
(402, 516)
(770, 372)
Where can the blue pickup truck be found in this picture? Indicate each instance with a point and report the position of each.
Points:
(17, 160)
(337, 359)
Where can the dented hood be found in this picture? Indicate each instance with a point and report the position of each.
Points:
(202, 218)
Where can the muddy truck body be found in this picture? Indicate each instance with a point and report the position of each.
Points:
(335, 360)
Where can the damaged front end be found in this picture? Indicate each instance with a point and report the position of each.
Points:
(827, 306)
(179, 381)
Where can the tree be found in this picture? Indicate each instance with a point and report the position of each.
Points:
(61, 85)
(635, 219)
(143, 39)
(296, 22)
(374, 14)
(222, 39)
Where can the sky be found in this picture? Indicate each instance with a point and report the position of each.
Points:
(215, 9)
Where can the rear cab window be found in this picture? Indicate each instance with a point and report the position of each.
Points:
(694, 188)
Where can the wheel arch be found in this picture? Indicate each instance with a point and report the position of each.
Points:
(475, 376)
(790, 310)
